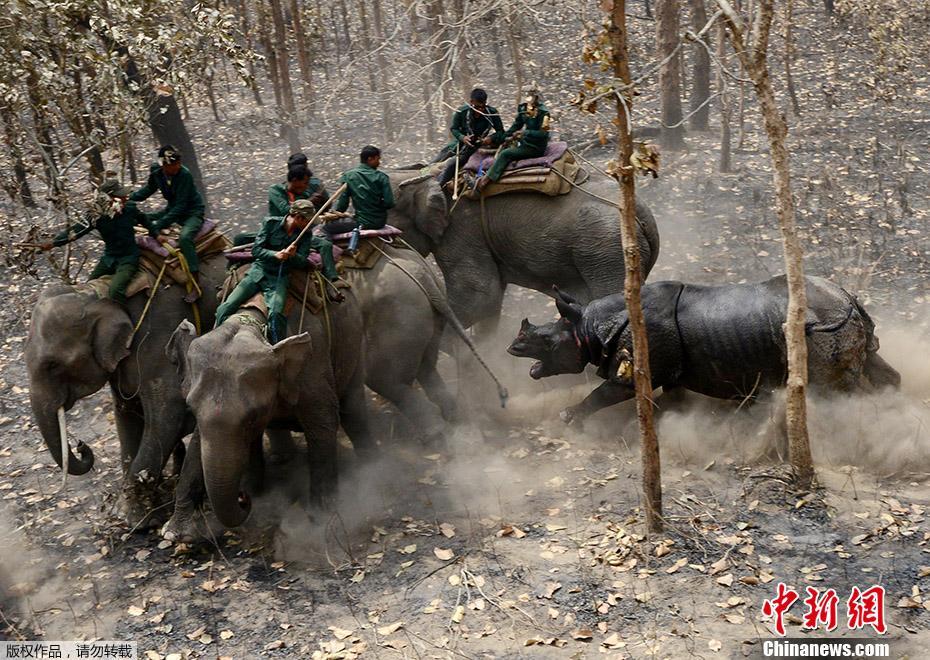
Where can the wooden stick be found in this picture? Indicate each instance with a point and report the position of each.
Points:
(455, 182)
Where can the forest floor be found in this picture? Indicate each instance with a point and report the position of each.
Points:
(524, 538)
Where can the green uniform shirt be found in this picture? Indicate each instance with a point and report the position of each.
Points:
(465, 121)
(272, 238)
(280, 199)
(533, 135)
(118, 235)
(179, 191)
(371, 194)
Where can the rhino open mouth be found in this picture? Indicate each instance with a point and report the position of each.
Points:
(536, 371)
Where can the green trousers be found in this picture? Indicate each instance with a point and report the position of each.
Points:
(321, 245)
(274, 289)
(507, 156)
(122, 269)
(189, 229)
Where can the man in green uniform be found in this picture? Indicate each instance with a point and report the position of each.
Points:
(114, 218)
(276, 251)
(185, 205)
(301, 184)
(370, 192)
(533, 119)
(474, 125)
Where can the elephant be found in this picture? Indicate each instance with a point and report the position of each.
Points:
(725, 342)
(532, 240)
(237, 386)
(405, 310)
(77, 343)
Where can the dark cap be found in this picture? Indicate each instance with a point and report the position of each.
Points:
(114, 188)
(168, 154)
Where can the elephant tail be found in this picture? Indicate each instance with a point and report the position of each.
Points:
(647, 224)
(434, 292)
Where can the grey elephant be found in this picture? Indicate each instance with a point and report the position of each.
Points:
(78, 343)
(528, 239)
(238, 386)
(405, 311)
(725, 342)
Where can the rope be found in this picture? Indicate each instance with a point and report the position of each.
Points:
(450, 316)
(303, 306)
(329, 328)
(148, 303)
(190, 285)
(579, 156)
(587, 192)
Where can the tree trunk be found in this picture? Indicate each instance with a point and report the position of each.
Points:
(421, 46)
(20, 188)
(386, 110)
(828, 7)
(753, 57)
(513, 43)
(725, 164)
(247, 31)
(700, 87)
(288, 109)
(365, 37)
(671, 136)
(652, 484)
(789, 58)
(271, 57)
(303, 51)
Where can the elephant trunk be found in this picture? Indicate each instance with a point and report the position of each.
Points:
(54, 429)
(222, 474)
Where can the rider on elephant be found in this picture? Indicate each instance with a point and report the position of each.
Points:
(474, 125)
(370, 192)
(276, 251)
(185, 206)
(301, 184)
(114, 218)
(533, 120)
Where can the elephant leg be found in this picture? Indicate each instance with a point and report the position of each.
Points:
(130, 424)
(281, 447)
(475, 290)
(187, 523)
(411, 402)
(353, 415)
(320, 423)
(604, 395)
(163, 431)
(433, 384)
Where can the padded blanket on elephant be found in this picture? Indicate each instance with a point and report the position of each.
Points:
(100, 287)
(295, 290)
(208, 242)
(480, 161)
(549, 180)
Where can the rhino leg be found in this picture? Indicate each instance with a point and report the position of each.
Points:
(604, 395)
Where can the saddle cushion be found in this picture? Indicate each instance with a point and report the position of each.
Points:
(149, 243)
(554, 151)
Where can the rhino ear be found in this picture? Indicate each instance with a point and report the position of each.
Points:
(525, 325)
(570, 311)
(564, 297)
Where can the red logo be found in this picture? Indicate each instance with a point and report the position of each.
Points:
(863, 608)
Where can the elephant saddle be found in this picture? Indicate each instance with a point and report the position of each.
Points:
(550, 174)
(303, 287)
(209, 241)
(367, 255)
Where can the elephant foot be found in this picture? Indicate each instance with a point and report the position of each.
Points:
(572, 419)
(140, 513)
(190, 527)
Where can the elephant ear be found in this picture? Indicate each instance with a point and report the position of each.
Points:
(176, 350)
(111, 335)
(431, 210)
(570, 311)
(292, 354)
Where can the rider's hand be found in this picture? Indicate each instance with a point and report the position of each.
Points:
(487, 141)
(282, 255)
(468, 140)
(46, 246)
(162, 238)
